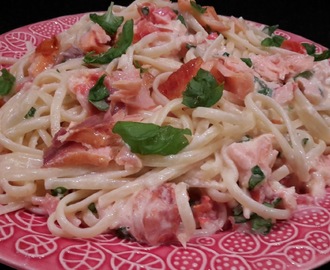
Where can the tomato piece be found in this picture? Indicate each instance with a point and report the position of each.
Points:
(293, 46)
(177, 82)
(48, 46)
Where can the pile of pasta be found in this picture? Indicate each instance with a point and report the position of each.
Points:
(162, 121)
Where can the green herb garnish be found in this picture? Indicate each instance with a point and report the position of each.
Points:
(264, 89)
(59, 191)
(145, 11)
(91, 207)
(269, 30)
(108, 21)
(197, 7)
(274, 41)
(125, 39)
(256, 177)
(147, 138)
(30, 113)
(311, 50)
(203, 90)
(98, 95)
(181, 19)
(247, 61)
(7, 82)
(305, 74)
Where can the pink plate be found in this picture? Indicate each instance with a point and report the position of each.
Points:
(25, 242)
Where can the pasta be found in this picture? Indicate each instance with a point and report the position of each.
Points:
(162, 121)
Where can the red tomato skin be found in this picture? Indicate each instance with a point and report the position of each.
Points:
(177, 82)
(293, 46)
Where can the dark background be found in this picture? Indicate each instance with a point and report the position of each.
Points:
(310, 20)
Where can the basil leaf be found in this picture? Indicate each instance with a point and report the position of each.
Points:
(98, 95)
(125, 39)
(276, 201)
(7, 82)
(246, 138)
(247, 61)
(304, 141)
(59, 191)
(311, 50)
(123, 233)
(189, 46)
(264, 89)
(261, 225)
(30, 113)
(269, 30)
(203, 90)
(305, 74)
(256, 177)
(108, 21)
(322, 56)
(197, 7)
(145, 11)
(182, 20)
(91, 207)
(147, 138)
(238, 214)
(274, 41)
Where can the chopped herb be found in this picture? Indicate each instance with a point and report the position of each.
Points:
(269, 30)
(108, 21)
(197, 7)
(203, 90)
(181, 19)
(276, 201)
(30, 113)
(322, 56)
(98, 95)
(189, 46)
(59, 191)
(256, 177)
(138, 65)
(7, 82)
(260, 224)
(311, 50)
(247, 61)
(304, 141)
(148, 138)
(305, 74)
(245, 138)
(264, 89)
(274, 41)
(91, 207)
(225, 54)
(145, 11)
(238, 214)
(123, 233)
(125, 39)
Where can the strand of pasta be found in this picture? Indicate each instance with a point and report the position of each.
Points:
(67, 229)
(155, 177)
(311, 119)
(187, 217)
(294, 153)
